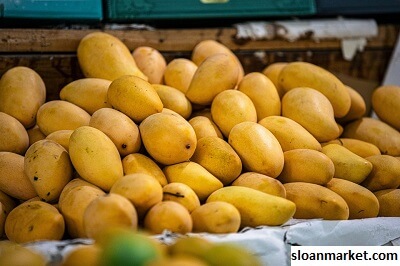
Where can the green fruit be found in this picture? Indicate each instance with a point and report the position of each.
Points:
(222, 254)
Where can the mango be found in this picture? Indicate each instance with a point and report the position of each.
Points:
(168, 215)
(8, 202)
(181, 193)
(72, 206)
(385, 102)
(35, 134)
(315, 201)
(230, 254)
(361, 201)
(48, 168)
(312, 110)
(61, 137)
(168, 138)
(230, 108)
(388, 202)
(88, 255)
(102, 55)
(109, 211)
(195, 176)
(359, 147)
(262, 93)
(385, 173)
(256, 208)
(16, 254)
(258, 148)
(272, 71)
(22, 92)
(305, 165)
(13, 180)
(348, 165)
(358, 107)
(61, 115)
(13, 136)
(219, 158)
(95, 157)
(174, 99)
(374, 131)
(134, 97)
(204, 126)
(217, 73)
(262, 183)
(290, 134)
(33, 221)
(303, 74)
(123, 132)
(140, 163)
(90, 94)
(217, 217)
(179, 73)
(142, 190)
(75, 182)
(151, 62)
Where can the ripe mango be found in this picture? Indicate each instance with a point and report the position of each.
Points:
(262, 183)
(181, 193)
(204, 126)
(61, 137)
(388, 202)
(174, 99)
(315, 201)
(358, 107)
(385, 102)
(385, 173)
(256, 208)
(258, 148)
(361, 148)
(303, 74)
(35, 134)
(312, 110)
(272, 71)
(179, 73)
(22, 92)
(13, 136)
(151, 62)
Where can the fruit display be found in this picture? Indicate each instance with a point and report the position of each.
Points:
(140, 146)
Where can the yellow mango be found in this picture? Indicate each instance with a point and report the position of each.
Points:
(207, 48)
(139, 163)
(16, 254)
(217, 217)
(60, 115)
(13, 180)
(272, 71)
(13, 136)
(258, 148)
(256, 208)
(22, 92)
(8, 202)
(75, 182)
(312, 110)
(102, 55)
(290, 134)
(174, 99)
(48, 167)
(168, 215)
(88, 255)
(3, 216)
(385, 173)
(109, 211)
(61, 137)
(230, 108)
(217, 73)
(72, 206)
(219, 158)
(195, 176)
(151, 62)
(358, 107)
(168, 138)
(179, 73)
(303, 74)
(204, 126)
(32, 221)
(95, 157)
(261, 182)
(123, 132)
(90, 94)
(230, 254)
(385, 103)
(388, 202)
(181, 193)
(348, 165)
(142, 190)
(305, 165)
(262, 93)
(315, 201)
(134, 97)
(359, 147)
(35, 134)
(374, 131)
(361, 201)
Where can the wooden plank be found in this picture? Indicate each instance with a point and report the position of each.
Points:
(61, 40)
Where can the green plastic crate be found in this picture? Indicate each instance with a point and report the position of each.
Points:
(129, 10)
(52, 10)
